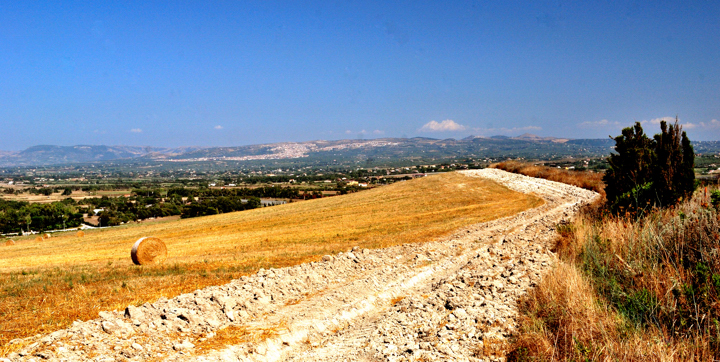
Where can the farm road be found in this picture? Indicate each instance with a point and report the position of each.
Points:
(449, 299)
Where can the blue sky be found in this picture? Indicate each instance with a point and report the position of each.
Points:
(212, 73)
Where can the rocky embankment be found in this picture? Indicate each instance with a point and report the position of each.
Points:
(449, 299)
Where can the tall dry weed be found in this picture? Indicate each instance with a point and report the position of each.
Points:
(584, 179)
(630, 287)
(661, 270)
(562, 320)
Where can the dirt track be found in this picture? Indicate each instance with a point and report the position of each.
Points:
(449, 299)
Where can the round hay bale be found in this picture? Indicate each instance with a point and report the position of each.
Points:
(10, 242)
(80, 234)
(148, 250)
(38, 238)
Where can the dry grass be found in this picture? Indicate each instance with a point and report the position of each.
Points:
(396, 300)
(239, 334)
(48, 284)
(563, 321)
(630, 288)
(627, 288)
(584, 179)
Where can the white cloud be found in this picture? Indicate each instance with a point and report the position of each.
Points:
(136, 130)
(658, 120)
(655, 121)
(507, 130)
(348, 132)
(377, 131)
(447, 125)
(600, 124)
(713, 124)
(218, 127)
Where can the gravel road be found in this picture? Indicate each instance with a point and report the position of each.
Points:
(448, 299)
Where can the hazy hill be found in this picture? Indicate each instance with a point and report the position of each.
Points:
(349, 150)
(46, 154)
(53, 155)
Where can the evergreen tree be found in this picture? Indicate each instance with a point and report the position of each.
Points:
(687, 177)
(674, 161)
(629, 169)
(647, 172)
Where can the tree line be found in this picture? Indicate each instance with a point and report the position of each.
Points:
(186, 202)
(18, 216)
(144, 203)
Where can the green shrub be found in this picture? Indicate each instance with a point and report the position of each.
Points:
(715, 198)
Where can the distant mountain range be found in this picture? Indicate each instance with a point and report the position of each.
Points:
(54, 155)
(526, 145)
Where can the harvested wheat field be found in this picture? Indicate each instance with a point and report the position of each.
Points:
(49, 284)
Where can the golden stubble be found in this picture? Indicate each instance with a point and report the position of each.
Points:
(48, 284)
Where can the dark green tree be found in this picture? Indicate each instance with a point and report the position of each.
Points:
(646, 172)
(673, 165)
(629, 173)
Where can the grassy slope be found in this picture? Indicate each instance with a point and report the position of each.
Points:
(629, 289)
(48, 284)
(626, 288)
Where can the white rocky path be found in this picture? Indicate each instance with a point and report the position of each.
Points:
(450, 299)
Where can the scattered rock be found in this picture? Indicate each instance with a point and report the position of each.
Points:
(438, 311)
(183, 346)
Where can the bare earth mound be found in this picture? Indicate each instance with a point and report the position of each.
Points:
(448, 299)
